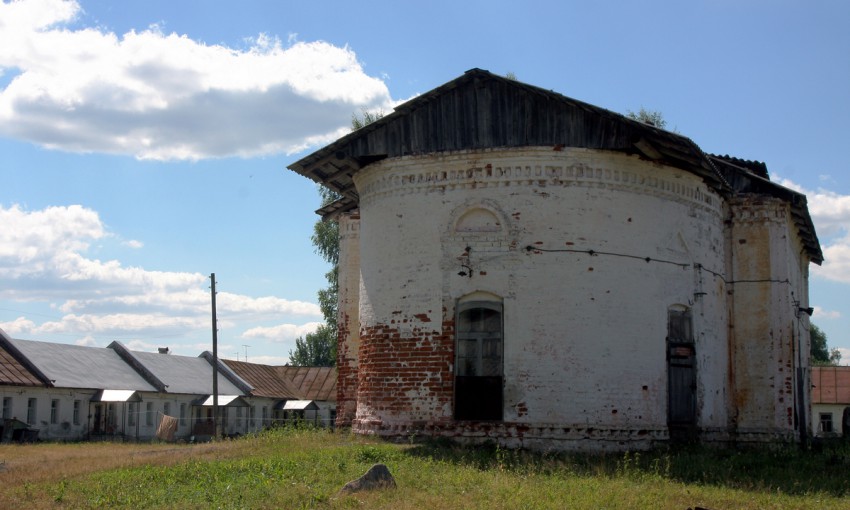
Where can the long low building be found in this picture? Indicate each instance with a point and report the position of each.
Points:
(67, 392)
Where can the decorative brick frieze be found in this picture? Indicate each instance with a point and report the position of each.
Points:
(536, 167)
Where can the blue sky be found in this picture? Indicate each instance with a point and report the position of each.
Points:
(144, 144)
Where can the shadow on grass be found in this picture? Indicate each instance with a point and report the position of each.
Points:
(787, 469)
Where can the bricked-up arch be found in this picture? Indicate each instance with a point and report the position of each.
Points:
(479, 358)
(478, 219)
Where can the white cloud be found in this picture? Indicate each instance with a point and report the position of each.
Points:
(229, 303)
(830, 213)
(132, 243)
(43, 258)
(165, 96)
(282, 332)
(30, 241)
(820, 313)
(87, 341)
(119, 323)
(17, 326)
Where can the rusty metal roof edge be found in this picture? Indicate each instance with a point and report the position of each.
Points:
(240, 383)
(6, 343)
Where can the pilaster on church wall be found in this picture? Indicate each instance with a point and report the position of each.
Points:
(349, 319)
(765, 285)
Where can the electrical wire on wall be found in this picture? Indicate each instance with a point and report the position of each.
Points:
(594, 253)
(698, 266)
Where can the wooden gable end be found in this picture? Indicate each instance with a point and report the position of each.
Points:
(480, 110)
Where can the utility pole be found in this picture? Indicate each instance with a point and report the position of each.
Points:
(215, 359)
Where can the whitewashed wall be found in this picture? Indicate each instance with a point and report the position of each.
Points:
(62, 425)
(584, 335)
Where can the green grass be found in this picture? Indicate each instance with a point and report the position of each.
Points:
(297, 468)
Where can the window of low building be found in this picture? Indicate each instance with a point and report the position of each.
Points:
(32, 405)
(826, 422)
(7, 408)
(76, 417)
(54, 411)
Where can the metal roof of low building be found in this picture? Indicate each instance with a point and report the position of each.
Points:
(15, 369)
(185, 374)
(223, 400)
(116, 396)
(266, 380)
(300, 405)
(74, 366)
(314, 383)
(831, 385)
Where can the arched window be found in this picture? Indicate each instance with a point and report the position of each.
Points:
(478, 366)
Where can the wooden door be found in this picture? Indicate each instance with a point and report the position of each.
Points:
(682, 386)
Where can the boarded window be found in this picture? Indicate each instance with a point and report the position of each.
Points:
(478, 368)
(76, 417)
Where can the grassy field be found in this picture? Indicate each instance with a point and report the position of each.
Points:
(306, 469)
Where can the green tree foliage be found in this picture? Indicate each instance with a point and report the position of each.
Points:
(325, 239)
(651, 117)
(319, 348)
(316, 349)
(821, 355)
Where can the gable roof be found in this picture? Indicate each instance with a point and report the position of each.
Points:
(15, 368)
(831, 385)
(74, 366)
(314, 383)
(480, 110)
(266, 380)
(185, 374)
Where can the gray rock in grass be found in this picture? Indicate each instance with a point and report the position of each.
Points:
(378, 477)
